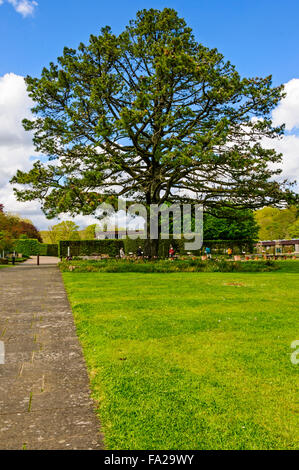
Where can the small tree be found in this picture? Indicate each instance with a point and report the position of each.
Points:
(6, 242)
(66, 230)
(88, 233)
(153, 116)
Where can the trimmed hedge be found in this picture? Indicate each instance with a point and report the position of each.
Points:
(27, 246)
(48, 249)
(217, 246)
(112, 247)
(31, 246)
(90, 247)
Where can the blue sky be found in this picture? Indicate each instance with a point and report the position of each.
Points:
(260, 37)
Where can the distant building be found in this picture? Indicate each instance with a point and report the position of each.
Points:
(279, 246)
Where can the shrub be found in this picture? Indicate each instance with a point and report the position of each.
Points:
(27, 246)
(90, 247)
(47, 249)
(166, 266)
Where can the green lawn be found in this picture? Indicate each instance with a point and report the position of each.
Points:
(191, 360)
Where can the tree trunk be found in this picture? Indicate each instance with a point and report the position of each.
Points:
(151, 246)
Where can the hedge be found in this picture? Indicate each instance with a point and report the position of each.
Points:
(48, 249)
(31, 246)
(112, 247)
(90, 247)
(27, 246)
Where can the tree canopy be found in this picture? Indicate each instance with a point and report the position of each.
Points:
(240, 225)
(277, 224)
(13, 227)
(154, 116)
(66, 230)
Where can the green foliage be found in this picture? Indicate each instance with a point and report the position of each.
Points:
(294, 229)
(151, 112)
(190, 360)
(133, 266)
(88, 233)
(240, 225)
(6, 241)
(276, 224)
(112, 247)
(13, 227)
(47, 249)
(31, 247)
(90, 247)
(131, 246)
(216, 245)
(27, 246)
(66, 230)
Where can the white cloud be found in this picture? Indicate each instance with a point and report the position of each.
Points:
(288, 146)
(15, 144)
(24, 7)
(287, 111)
(17, 150)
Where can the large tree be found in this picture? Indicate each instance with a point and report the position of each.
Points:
(15, 226)
(241, 225)
(153, 116)
(66, 230)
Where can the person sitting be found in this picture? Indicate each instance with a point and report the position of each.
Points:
(139, 252)
(171, 252)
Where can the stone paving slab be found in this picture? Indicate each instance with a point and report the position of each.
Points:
(45, 399)
(43, 260)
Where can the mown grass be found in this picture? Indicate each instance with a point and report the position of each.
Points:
(191, 360)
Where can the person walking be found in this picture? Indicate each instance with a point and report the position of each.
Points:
(208, 252)
(230, 252)
(122, 253)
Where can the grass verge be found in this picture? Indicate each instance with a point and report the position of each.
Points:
(191, 360)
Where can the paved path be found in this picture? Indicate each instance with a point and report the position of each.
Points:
(44, 390)
(43, 260)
